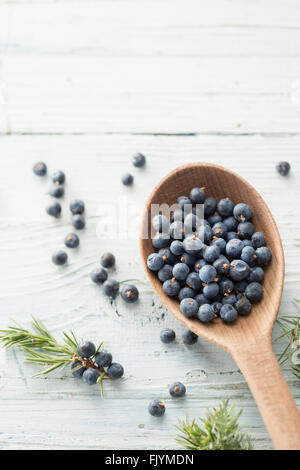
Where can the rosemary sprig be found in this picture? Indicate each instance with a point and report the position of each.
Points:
(220, 430)
(41, 348)
(290, 327)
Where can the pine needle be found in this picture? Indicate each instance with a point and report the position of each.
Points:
(220, 430)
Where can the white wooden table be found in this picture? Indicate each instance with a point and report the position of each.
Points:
(84, 85)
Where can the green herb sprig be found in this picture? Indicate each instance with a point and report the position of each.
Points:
(220, 430)
(41, 348)
(290, 327)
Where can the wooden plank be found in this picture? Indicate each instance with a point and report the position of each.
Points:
(143, 28)
(65, 298)
(67, 94)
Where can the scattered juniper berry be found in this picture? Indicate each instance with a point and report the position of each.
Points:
(40, 168)
(71, 240)
(156, 408)
(60, 257)
(177, 390)
(54, 209)
(77, 206)
(98, 275)
(107, 260)
(167, 335)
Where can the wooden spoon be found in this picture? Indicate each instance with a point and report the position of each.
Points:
(249, 339)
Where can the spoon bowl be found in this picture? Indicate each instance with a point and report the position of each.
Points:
(248, 340)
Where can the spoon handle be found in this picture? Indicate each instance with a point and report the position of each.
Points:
(277, 406)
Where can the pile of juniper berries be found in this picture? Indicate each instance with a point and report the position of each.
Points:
(213, 265)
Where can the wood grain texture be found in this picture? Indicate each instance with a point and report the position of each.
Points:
(220, 67)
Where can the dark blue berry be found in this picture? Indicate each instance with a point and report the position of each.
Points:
(258, 240)
(245, 230)
(211, 290)
(211, 253)
(115, 370)
(57, 190)
(206, 313)
(177, 230)
(180, 271)
(90, 376)
(176, 248)
(129, 293)
(243, 306)
(228, 313)
(232, 236)
(214, 219)
(79, 369)
(58, 177)
(185, 203)
(185, 293)
(40, 168)
(156, 408)
(177, 390)
(98, 275)
(249, 256)
(171, 287)
(188, 259)
(107, 260)
(111, 288)
(216, 307)
(254, 291)
(247, 242)
(256, 274)
(155, 262)
(201, 299)
(189, 307)
(161, 240)
(86, 349)
(127, 179)
(60, 257)
(230, 223)
(229, 299)
(191, 224)
(193, 281)
(222, 265)
(138, 160)
(206, 234)
(219, 230)
(240, 286)
(220, 243)
(78, 221)
(192, 245)
(239, 270)
(210, 205)
(178, 214)
(189, 337)
(103, 358)
(197, 196)
(207, 274)
(234, 248)
(283, 168)
(77, 206)
(160, 223)
(165, 273)
(264, 255)
(54, 209)
(225, 207)
(199, 264)
(242, 212)
(71, 240)
(226, 286)
(167, 335)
